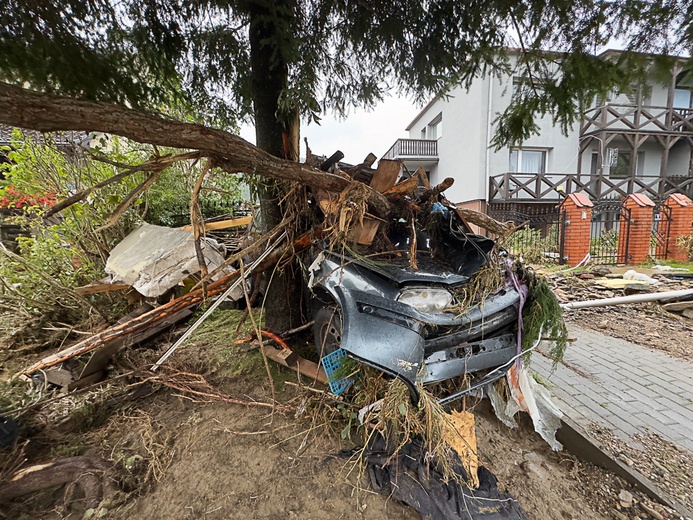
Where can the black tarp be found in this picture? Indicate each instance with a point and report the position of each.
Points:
(413, 478)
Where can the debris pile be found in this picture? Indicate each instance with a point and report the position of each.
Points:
(422, 311)
(663, 323)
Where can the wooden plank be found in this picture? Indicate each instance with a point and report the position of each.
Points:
(364, 233)
(301, 365)
(401, 190)
(223, 224)
(386, 175)
(102, 356)
(101, 287)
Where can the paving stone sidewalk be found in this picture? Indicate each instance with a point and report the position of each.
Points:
(626, 387)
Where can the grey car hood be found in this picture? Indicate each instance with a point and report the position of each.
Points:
(428, 272)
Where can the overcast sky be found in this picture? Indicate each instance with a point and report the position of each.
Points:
(359, 133)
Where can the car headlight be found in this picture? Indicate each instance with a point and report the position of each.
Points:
(425, 299)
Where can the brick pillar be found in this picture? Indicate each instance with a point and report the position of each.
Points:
(681, 225)
(634, 247)
(577, 227)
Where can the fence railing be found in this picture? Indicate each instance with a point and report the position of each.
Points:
(553, 186)
(638, 118)
(412, 148)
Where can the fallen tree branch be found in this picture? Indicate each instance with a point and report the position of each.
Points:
(196, 222)
(49, 112)
(158, 164)
(482, 220)
(125, 203)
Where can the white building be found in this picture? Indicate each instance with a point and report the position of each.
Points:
(627, 144)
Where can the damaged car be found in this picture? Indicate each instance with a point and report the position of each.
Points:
(418, 323)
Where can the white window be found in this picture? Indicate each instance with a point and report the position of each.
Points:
(682, 98)
(527, 161)
(423, 133)
(435, 127)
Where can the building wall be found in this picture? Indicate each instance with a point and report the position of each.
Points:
(461, 141)
(467, 127)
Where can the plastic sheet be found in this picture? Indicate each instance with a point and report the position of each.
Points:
(413, 478)
(529, 396)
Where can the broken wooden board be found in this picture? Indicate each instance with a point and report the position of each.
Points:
(102, 356)
(223, 224)
(460, 435)
(403, 189)
(385, 175)
(620, 283)
(360, 232)
(301, 365)
(364, 233)
(102, 286)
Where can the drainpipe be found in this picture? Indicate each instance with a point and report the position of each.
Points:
(487, 180)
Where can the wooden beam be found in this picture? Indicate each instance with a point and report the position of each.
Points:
(299, 364)
(223, 224)
(101, 287)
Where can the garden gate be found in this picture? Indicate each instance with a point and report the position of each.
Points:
(661, 227)
(610, 232)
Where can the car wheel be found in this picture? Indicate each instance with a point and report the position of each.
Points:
(328, 330)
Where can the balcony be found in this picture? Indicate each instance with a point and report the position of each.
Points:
(643, 119)
(549, 187)
(420, 150)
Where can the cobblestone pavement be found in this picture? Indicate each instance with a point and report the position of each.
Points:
(622, 386)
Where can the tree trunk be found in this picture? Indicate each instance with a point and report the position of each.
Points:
(276, 132)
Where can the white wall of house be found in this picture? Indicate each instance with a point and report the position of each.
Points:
(467, 127)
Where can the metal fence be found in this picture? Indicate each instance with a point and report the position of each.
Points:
(540, 237)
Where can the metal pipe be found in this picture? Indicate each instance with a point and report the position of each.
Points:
(635, 298)
(212, 308)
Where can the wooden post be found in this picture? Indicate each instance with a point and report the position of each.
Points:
(576, 230)
(681, 225)
(634, 247)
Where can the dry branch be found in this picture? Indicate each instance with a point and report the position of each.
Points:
(125, 203)
(196, 221)
(482, 220)
(48, 112)
(197, 385)
(157, 164)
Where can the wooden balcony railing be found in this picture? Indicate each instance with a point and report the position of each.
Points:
(528, 187)
(634, 118)
(404, 148)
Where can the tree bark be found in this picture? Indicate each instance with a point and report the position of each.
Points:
(91, 475)
(276, 132)
(48, 112)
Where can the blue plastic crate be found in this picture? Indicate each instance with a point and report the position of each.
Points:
(331, 363)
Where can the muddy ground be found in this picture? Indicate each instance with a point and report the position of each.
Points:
(177, 456)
